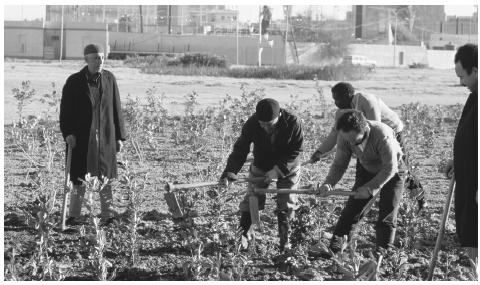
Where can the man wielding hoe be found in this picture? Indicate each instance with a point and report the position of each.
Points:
(465, 153)
(277, 142)
(92, 125)
(378, 153)
(374, 109)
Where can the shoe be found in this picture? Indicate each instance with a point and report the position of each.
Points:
(244, 230)
(106, 221)
(337, 244)
(320, 250)
(283, 232)
(73, 221)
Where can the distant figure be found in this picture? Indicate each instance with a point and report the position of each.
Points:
(465, 153)
(266, 18)
(91, 122)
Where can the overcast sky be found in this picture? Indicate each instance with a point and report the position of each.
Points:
(247, 13)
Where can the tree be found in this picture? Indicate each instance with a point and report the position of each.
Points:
(407, 14)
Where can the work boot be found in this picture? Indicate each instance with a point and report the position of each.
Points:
(336, 244)
(244, 228)
(283, 231)
(380, 252)
(73, 221)
(245, 223)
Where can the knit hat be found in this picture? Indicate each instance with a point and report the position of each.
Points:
(267, 110)
(92, 48)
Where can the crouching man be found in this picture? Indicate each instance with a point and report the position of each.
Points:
(277, 142)
(378, 154)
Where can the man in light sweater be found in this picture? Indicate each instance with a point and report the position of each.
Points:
(372, 107)
(378, 153)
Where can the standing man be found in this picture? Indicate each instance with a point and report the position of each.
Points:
(378, 154)
(277, 142)
(266, 18)
(91, 122)
(465, 153)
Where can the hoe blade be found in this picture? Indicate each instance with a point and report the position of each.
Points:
(173, 205)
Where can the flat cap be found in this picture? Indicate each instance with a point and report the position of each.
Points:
(267, 110)
(92, 48)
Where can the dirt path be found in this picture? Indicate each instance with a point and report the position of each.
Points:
(394, 86)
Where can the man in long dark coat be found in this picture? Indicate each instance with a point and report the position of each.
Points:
(91, 122)
(465, 153)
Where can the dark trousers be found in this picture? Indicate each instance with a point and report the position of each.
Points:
(355, 210)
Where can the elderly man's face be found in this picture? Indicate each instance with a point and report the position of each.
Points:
(468, 80)
(94, 62)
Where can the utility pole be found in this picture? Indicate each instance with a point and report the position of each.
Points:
(169, 19)
(107, 50)
(104, 13)
(260, 49)
(141, 18)
(395, 41)
(181, 21)
(238, 14)
(118, 18)
(61, 38)
(470, 28)
(287, 8)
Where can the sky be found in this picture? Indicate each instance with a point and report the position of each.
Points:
(247, 13)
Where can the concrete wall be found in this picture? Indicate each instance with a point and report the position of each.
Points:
(76, 40)
(23, 39)
(383, 54)
(441, 59)
(309, 54)
(440, 40)
(214, 44)
(78, 35)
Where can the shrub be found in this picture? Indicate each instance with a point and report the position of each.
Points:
(200, 59)
(301, 72)
(418, 65)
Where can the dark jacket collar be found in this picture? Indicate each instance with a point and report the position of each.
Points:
(282, 120)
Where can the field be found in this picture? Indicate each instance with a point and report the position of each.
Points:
(185, 136)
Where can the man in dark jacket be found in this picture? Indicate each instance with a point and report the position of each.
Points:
(91, 122)
(277, 142)
(465, 153)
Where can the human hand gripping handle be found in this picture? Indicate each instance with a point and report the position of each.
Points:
(363, 193)
(449, 169)
(316, 156)
(119, 145)
(228, 178)
(71, 141)
(323, 190)
(271, 175)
